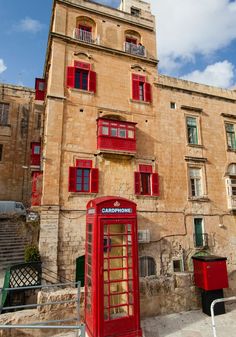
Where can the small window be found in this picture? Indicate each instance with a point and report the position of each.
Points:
(1, 151)
(4, 111)
(147, 266)
(81, 77)
(198, 232)
(83, 178)
(178, 265)
(172, 105)
(192, 130)
(195, 176)
(230, 135)
(141, 90)
(135, 11)
(146, 182)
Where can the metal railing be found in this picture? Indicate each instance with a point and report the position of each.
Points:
(219, 300)
(49, 324)
(85, 36)
(201, 240)
(135, 49)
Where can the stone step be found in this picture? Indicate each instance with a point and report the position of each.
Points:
(7, 255)
(11, 248)
(6, 264)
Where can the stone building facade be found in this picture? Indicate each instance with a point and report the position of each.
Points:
(20, 127)
(166, 144)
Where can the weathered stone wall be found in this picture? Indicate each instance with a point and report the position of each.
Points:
(45, 313)
(162, 295)
(22, 128)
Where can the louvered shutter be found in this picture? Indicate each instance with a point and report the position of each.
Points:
(94, 180)
(71, 77)
(137, 186)
(148, 92)
(135, 87)
(155, 184)
(92, 81)
(72, 179)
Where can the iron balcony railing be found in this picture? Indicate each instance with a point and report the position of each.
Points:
(135, 49)
(50, 324)
(201, 240)
(85, 36)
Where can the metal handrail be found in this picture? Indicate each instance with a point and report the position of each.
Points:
(219, 300)
(48, 324)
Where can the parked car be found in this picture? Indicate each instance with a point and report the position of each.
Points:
(11, 209)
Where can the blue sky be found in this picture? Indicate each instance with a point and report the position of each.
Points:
(196, 39)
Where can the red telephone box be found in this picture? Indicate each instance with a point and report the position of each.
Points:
(111, 269)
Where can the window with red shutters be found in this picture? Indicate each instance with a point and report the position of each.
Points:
(40, 89)
(145, 181)
(141, 90)
(35, 153)
(80, 76)
(83, 178)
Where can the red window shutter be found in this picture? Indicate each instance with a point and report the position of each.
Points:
(71, 77)
(155, 184)
(72, 179)
(82, 65)
(83, 163)
(94, 180)
(137, 186)
(148, 92)
(145, 168)
(40, 89)
(135, 88)
(92, 81)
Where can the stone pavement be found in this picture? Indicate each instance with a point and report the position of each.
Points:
(187, 324)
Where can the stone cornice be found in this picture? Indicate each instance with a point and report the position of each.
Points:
(104, 14)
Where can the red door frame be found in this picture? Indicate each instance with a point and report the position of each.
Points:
(128, 326)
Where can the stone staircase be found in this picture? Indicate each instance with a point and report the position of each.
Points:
(12, 244)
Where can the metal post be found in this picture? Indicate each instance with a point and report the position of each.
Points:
(220, 300)
(78, 305)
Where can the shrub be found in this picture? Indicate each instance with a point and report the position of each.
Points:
(32, 254)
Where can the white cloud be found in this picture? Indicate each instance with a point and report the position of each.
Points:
(220, 74)
(28, 25)
(2, 66)
(188, 28)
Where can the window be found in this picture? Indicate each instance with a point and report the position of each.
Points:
(35, 153)
(195, 176)
(178, 265)
(172, 105)
(85, 33)
(81, 77)
(147, 266)
(231, 186)
(192, 130)
(116, 135)
(230, 135)
(39, 89)
(1, 150)
(200, 238)
(135, 11)
(141, 90)
(146, 182)
(4, 111)
(83, 178)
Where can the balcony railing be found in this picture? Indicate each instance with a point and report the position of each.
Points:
(201, 240)
(85, 36)
(135, 49)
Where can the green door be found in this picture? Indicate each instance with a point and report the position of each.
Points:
(198, 232)
(80, 265)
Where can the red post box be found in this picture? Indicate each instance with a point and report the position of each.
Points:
(210, 272)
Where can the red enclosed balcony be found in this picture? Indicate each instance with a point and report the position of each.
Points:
(116, 136)
(35, 154)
